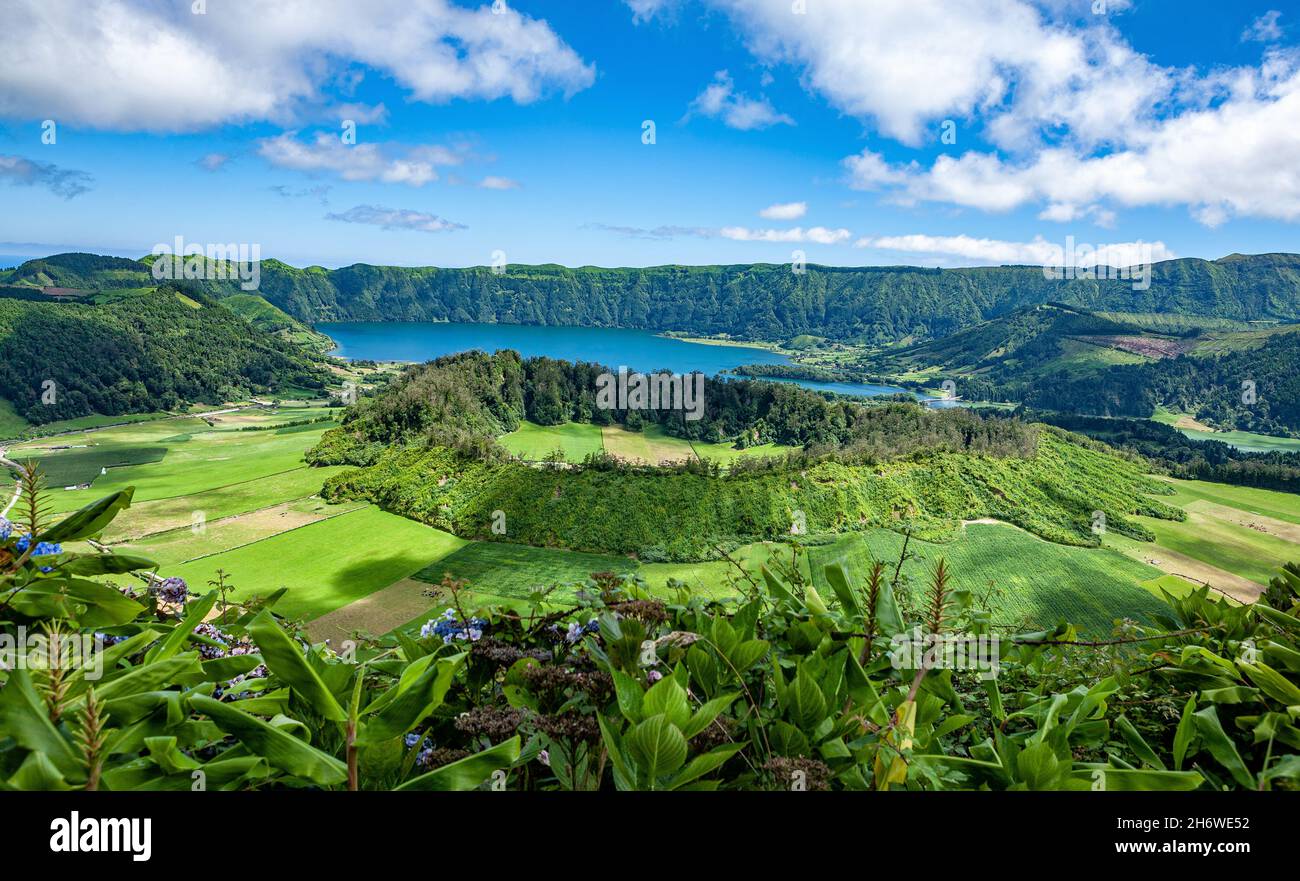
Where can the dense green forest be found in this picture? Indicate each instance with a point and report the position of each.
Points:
(150, 351)
(759, 301)
(1250, 389)
(474, 393)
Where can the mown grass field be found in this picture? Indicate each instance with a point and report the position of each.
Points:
(1242, 531)
(325, 564)
(1031, 581)
(198, 458)
(535, 442)
(651, 445)
(1242, 440)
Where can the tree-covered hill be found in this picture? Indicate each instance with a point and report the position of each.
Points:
(1009, 348)
(145, 352)
(756, 301)
(1250, 389)
(425, 450)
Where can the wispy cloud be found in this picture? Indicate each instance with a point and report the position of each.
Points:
(1038, 252)
(213, 161)
(1264, 29)
(395, 218)
(492, 182)
(720, 100)
(320, 192)
(328, 154)
(65, 182)
(818, 235)
(784, 211)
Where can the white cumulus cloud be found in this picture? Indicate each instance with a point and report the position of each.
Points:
(153, 65)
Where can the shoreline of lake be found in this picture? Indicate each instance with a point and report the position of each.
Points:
(641, 350)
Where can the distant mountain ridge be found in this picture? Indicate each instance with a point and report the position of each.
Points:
(751, 301)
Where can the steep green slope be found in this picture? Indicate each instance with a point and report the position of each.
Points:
(152, 351)
(1012, 347)
(759, 301)
(1249, 389)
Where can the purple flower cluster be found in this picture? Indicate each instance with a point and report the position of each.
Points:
(450, 627)
(6, 528)
(228, 646)
(174, 590)
(577, 631)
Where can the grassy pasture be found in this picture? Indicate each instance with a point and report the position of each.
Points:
(1040, 582)
(192, 542)
(511, 570)
(196, 462)
(147, 518)
(535, 442)
(651, 445)
(326, 564)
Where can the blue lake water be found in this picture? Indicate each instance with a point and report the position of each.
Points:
(637, 350)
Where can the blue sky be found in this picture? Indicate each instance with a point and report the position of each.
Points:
(1172, 123)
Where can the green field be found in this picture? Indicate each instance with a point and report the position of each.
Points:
(326, 564)
(516, 571)
(243, 477)
(1038, 583)
(198, 458)
(535, 442)
(651, 445)
(1211, 535)
(1247, 441)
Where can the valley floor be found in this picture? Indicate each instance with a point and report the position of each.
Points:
(228, 493)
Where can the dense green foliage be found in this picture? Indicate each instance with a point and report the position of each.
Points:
(475, 394)
(760, 301)
(1213, 389)
(152, 351)
(1184, 457)
(145, 690)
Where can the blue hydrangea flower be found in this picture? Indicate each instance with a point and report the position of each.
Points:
(42, 549)
(449, 627)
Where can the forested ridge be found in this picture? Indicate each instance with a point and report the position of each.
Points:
(142, 353)
(1251, 389)
(752, 301)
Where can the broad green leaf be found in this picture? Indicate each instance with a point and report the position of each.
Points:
(668, 699)
(1214, 739)
(415, 703)
(90, 520)
(658, 748)
(281, 749)
(285, 658)
(468, 773)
